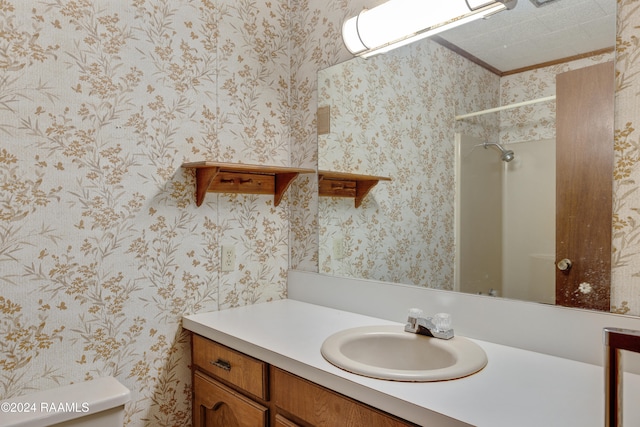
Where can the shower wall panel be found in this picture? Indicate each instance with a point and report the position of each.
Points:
(479, 217)
(529, 222)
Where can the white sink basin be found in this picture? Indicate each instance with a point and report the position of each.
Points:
(389, 353)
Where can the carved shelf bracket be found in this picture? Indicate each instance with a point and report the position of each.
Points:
(215, 177)
(342, 184)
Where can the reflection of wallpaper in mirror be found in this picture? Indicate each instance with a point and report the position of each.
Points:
(392, 115)
(536, 121)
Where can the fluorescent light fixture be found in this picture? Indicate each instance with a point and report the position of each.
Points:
(540, 3)
(399, 22)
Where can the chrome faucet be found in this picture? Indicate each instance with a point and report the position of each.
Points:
(438, 326)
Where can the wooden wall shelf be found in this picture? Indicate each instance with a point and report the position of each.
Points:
(214, 177)
(342, 184)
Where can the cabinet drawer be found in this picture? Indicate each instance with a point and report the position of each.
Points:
(215, 405)
(229, 365)
(322, 407)
(283, 422)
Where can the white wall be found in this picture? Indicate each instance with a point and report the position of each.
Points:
(529, 222)
(558, 331)
(478, 217)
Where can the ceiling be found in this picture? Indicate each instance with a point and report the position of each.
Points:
(527, 35)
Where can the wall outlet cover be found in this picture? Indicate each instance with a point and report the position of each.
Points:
(228, 258)
(338, 248)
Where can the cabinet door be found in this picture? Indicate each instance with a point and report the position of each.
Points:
(215, 405)
(322, 407)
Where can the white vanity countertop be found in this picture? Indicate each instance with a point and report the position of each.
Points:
(517, 388)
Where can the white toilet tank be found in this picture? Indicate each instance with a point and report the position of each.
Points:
(95, 403)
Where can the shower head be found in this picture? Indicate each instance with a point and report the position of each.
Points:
(507, 155)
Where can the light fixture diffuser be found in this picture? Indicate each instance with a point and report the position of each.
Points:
(399, 22)
(540, 3)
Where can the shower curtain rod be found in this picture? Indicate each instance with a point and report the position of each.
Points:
(506, 107)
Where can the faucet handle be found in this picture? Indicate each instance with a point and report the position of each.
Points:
(415, 313)
(442, 321)
(412, 320)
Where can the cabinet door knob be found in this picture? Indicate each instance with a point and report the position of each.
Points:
(222, 364)
(564, 264)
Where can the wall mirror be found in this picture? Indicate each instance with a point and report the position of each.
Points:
(442, 206)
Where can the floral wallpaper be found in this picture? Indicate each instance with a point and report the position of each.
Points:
(393, 115)
(102, 248)
(625, 295)
(536, 121)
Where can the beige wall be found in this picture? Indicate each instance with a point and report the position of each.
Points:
(101, 247)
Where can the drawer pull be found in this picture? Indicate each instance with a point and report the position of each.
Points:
(222, 364)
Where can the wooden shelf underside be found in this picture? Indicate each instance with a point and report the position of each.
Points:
(342, 184)
(215, 177)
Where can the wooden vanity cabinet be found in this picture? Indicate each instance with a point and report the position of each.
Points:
(218, 406)
(229, 388)
(232, 389)
(281, 421)
(232, 367)
(315, 405)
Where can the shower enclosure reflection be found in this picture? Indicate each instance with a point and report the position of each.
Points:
(506, 155)
(505, 217)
